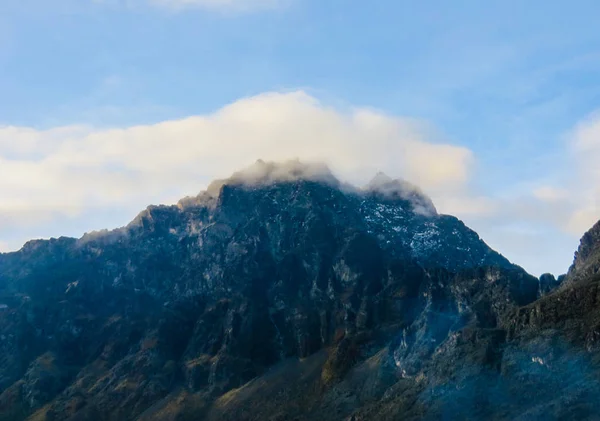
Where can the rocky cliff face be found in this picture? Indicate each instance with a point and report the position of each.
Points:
(587, 257)
(282, 294)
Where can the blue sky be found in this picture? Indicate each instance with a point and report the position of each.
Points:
(514, 83)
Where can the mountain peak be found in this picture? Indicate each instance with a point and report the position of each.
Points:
(380, 178)
(263, 173)
(389, 188)
(266, 173)
(197, 300)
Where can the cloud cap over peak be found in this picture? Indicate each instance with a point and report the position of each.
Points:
(262, 172)
(384, 185)
(65, 172)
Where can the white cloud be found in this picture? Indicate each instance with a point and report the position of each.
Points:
(235, 6)
(465, 204)
(71, 170)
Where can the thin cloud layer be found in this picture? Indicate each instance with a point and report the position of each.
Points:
(235, 6)
(585, 189)
(570, 204)
(541, 228)
(550, 194)
(220, 4)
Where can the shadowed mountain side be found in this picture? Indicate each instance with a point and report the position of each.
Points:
(283, 294)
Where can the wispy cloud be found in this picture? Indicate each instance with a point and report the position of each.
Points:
(227, 5)
(585, 187)
(235, 6)
(571, 202)
(540, 226)
(550, 194)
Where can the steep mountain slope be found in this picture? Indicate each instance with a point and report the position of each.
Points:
(281, 294)
(587, 257)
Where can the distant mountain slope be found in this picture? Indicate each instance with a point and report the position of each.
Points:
(279, 293)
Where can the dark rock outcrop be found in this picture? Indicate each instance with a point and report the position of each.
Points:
(549, 283)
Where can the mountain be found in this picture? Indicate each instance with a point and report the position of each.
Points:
(284, 294)
(587, 257)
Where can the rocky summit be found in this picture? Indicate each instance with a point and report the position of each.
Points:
(283, 294)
